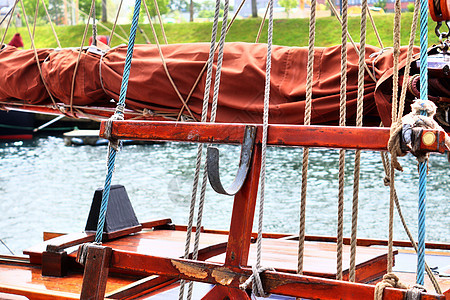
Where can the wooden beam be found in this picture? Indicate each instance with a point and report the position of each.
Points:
(274, 282)
(96, 271)
(367, 138)
(243, 213)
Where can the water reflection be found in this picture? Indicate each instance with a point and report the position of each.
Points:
(46, 186)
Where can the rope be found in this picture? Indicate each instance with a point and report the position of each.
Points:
(115, 23)
(35, 18)
(160, 21)
(94, 26)
(389, 280)
(99, 23)
(72, 88)
(194, 86)
(119, 113)
(200, 146)
(158, 46)
(261, 25)
(11, 12)
(212, 120)
(5, 16)
(257, 287)
(422, 165)
(374, 26)
(255, 281)
(359, 121)
(412, 36)
(336, 13)
(394, 116)
(386, 165)
(307, 121)
(36, 57)
(6, 246)
(342, 116)
(51, 24)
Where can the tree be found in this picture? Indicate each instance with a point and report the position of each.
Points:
(254, 9)
(381, 4)
(181, 5)
(288, 5)
(163, 6)
(30, 8)
(104, 12)
(85, 6)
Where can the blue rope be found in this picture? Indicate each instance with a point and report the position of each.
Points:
(422, 165)
(120, 105)
(422, 211)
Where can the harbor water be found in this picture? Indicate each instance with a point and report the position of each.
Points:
(46, 186)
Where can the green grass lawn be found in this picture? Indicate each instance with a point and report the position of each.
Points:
(288, 32)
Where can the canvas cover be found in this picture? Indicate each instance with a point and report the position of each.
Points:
(99, 76)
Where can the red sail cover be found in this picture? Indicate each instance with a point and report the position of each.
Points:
(99, 76)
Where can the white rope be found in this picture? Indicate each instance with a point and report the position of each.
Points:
(307, 121)
(342, 116)
(359, 122)
(200, 146)
(212, 120)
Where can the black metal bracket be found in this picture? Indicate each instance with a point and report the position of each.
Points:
(212, 158)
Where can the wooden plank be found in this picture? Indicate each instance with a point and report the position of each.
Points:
(4, 296)
(51, 235)
(96, 271)
(367, 138)
(38, 294)
(274, 282)
(28, 277)
(141, 287)
(243, 213)
(156, 223)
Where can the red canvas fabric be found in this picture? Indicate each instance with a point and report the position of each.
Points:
(16, 41)
(241, 93)
(19, 75)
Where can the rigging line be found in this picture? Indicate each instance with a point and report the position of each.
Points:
(51, 24)
(336, 13)
(307, 121)
(359, 122)
(194, 86)
(374, 26)
(115, 23)
(36, 56)
(99, 23)
(35, 18)
(401, 105)
(264, 135)
(72, 89)
(147, 41)
(422, 165)
(94, 26)
(395, 119)
(160, 21)
(212, 120)
(123, 30)
(387, 167)
(210, 61)
(4, 244)
(118, 114)
(9, 23)
(342, 122)
(263, 21)
(165, 65)
(6, 15)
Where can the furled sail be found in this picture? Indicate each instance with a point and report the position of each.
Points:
(99, 74)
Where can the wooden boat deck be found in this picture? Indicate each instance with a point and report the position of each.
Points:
(320, 260)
